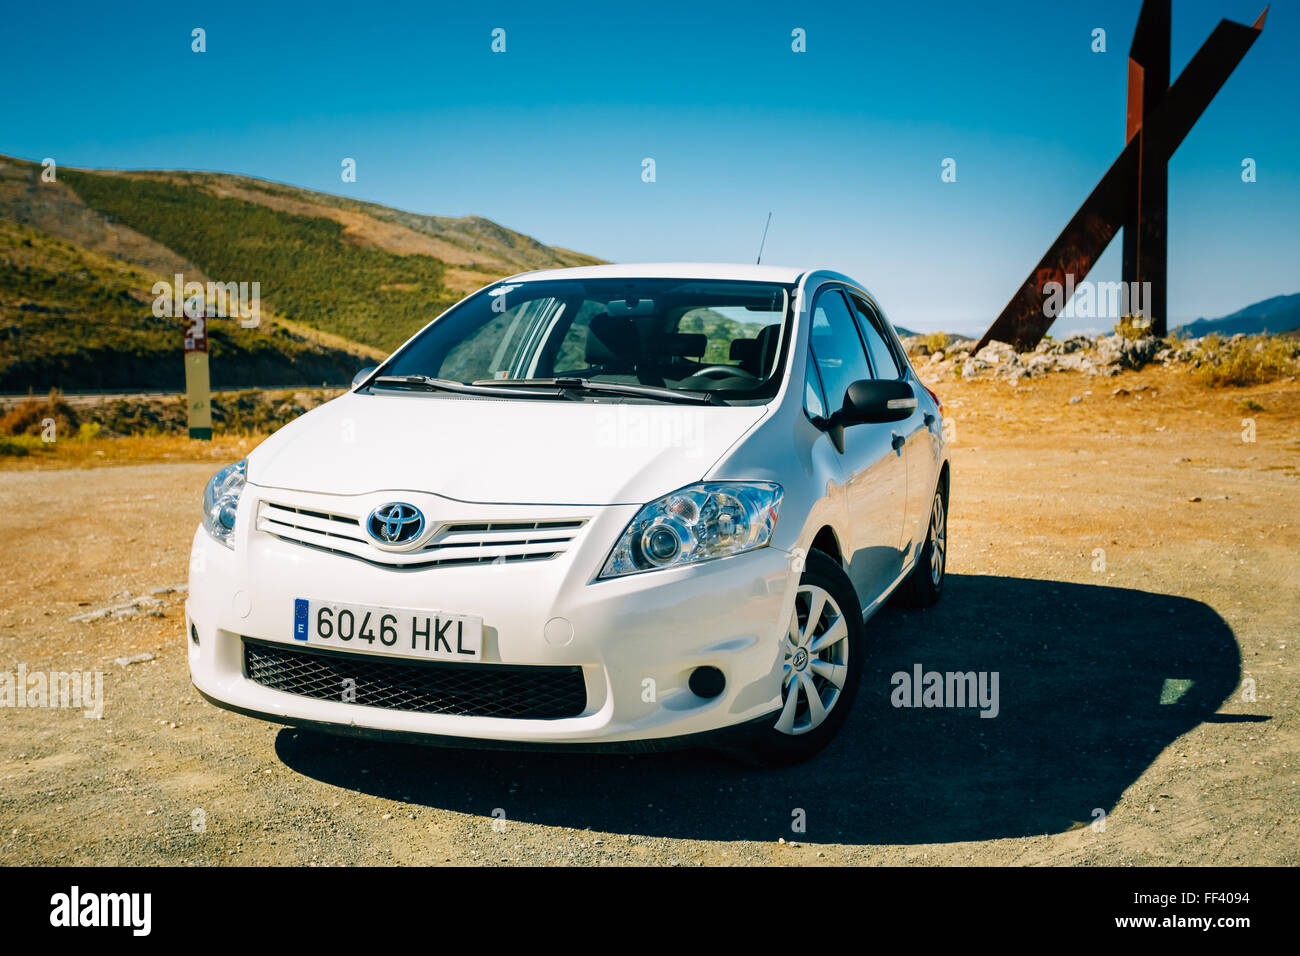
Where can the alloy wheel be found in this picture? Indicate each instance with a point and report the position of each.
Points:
(816, 660)
(938, 539)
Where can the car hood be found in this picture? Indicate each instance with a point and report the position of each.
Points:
(498, 450)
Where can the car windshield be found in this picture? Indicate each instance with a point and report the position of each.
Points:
(704, 336)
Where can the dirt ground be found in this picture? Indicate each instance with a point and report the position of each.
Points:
(1155, 683)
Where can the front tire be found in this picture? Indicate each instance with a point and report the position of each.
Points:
(823, 658)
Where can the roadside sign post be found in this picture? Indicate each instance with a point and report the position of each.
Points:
(198, 388)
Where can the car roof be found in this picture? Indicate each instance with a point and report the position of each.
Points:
(670, 270)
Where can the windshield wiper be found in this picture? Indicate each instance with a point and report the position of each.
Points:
(605, 388)
(430, 384)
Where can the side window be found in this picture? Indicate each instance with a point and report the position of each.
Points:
(836, 347)
(882, 357)
(814, 403)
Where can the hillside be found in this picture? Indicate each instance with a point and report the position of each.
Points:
(342, 281)
(77, 319)
(1278, 314)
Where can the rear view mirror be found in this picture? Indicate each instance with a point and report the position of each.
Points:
(875, 400)
(623, 307)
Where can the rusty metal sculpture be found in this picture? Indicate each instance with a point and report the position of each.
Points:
(1134, 191)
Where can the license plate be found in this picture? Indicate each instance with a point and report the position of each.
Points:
(405, 632)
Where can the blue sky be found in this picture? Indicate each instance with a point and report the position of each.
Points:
(843, 143)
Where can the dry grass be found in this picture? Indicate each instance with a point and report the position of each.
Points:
(1133, 327)
(34, 424)
(1254, 360)
(937, 341)
(30, 453)
(28, 442)
(36, 416)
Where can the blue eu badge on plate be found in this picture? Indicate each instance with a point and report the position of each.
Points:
(300, 619)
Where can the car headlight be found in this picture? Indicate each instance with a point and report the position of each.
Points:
(697, 523)
(221, 500)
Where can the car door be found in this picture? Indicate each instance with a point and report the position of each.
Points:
(918, 448)
(875, 470)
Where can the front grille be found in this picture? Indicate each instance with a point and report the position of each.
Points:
(494, 542)
(425, 687)
(291, 522)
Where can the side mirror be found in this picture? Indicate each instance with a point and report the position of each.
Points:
(364, 374)
(874, 400)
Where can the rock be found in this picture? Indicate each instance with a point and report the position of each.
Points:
(1140, 352)
(1115, 350)
(1104, 355)
(1109, 349)
(1038, 366)
(998, 353)
(133, 659)
(1076, 399)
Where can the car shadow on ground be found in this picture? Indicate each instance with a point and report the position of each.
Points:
(1094, 682)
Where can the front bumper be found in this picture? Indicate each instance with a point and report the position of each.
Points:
(637, 639)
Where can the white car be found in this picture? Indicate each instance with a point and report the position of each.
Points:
(611, 507)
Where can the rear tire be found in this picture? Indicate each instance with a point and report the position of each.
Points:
(822, 668)
(924, 586)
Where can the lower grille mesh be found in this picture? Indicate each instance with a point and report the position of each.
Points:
(426, 687)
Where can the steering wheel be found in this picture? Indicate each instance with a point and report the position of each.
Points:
(722, 371)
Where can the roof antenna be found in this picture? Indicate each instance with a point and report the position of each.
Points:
(764, 242)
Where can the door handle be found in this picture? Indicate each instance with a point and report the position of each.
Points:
(898, 441)
(929, 419)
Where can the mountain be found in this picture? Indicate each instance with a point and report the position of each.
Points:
(342, 282)
(1278, 314)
